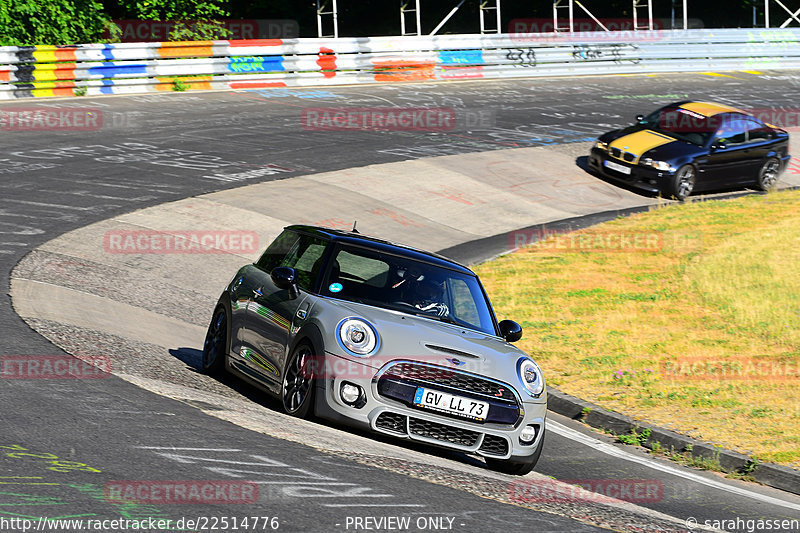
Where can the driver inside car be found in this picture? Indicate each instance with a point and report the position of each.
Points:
(428, 298)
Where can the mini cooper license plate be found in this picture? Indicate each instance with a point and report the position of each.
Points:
(448, 403)
(616, 166)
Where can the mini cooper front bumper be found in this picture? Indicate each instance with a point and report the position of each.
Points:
(386, 404)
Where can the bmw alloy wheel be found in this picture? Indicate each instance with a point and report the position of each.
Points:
(768, 175)
(684, 182)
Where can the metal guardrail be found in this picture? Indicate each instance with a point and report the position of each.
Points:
(95, 69)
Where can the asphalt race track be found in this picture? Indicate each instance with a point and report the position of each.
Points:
(313, 477)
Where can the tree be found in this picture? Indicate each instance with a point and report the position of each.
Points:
(195, 20)
(26, 22)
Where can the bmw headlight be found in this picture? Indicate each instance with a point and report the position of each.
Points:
(601, 146)
(531, 376)
(357, 336)
(658, 165)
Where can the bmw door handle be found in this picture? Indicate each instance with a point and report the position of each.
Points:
(257, 292)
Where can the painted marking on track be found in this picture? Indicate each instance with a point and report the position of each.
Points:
(173, 448)
(373, 505)
(718, 75)
(609, 449)
(303, 483)
(292, 481)
(24, 482)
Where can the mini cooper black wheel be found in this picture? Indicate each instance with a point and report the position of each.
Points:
(514, 467)
(215, 347)
(298, 385)
(768, 175)
(683, 182)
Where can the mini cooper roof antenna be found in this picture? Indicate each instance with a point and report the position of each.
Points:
(354, 227)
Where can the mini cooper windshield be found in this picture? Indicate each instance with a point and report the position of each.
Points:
(403, 284)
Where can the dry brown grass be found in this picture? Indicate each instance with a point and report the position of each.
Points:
(724, 288)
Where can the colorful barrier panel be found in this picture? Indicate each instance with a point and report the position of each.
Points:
(94, 69)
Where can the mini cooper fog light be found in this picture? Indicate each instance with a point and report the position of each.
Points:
(527, 435)
(352, 395)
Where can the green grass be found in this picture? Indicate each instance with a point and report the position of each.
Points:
(721, 289)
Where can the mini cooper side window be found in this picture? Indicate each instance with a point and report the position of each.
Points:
(276, 252)
(305, 258)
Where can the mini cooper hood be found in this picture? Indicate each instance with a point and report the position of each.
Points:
(404, 335)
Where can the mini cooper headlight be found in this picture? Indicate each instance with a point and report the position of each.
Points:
(357, 336)
(658, 165)
(531, 376)
(601, 146)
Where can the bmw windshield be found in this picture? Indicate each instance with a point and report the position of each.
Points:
(682, 124)
(403, 284)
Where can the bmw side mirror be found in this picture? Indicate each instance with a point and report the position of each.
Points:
(510, 330)
(639, 118)
(718, 146)
(285, 278)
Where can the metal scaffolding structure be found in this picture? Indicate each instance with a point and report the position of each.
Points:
(793, 15)
(485, 10)
(639, 5)
(322, 5)
(563, 16)
(404, 12)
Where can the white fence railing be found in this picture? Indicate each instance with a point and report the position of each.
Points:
(95, 69)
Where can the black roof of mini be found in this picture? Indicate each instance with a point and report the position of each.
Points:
(380, 245)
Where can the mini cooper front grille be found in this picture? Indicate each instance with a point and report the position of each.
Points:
(392, 422)
(409, 426)
(494, 445)
(441, 432)
(453, 379)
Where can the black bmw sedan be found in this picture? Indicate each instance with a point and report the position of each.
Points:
(689, 147)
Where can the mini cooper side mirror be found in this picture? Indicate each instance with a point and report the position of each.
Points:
(285, 278)
(510, 330)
